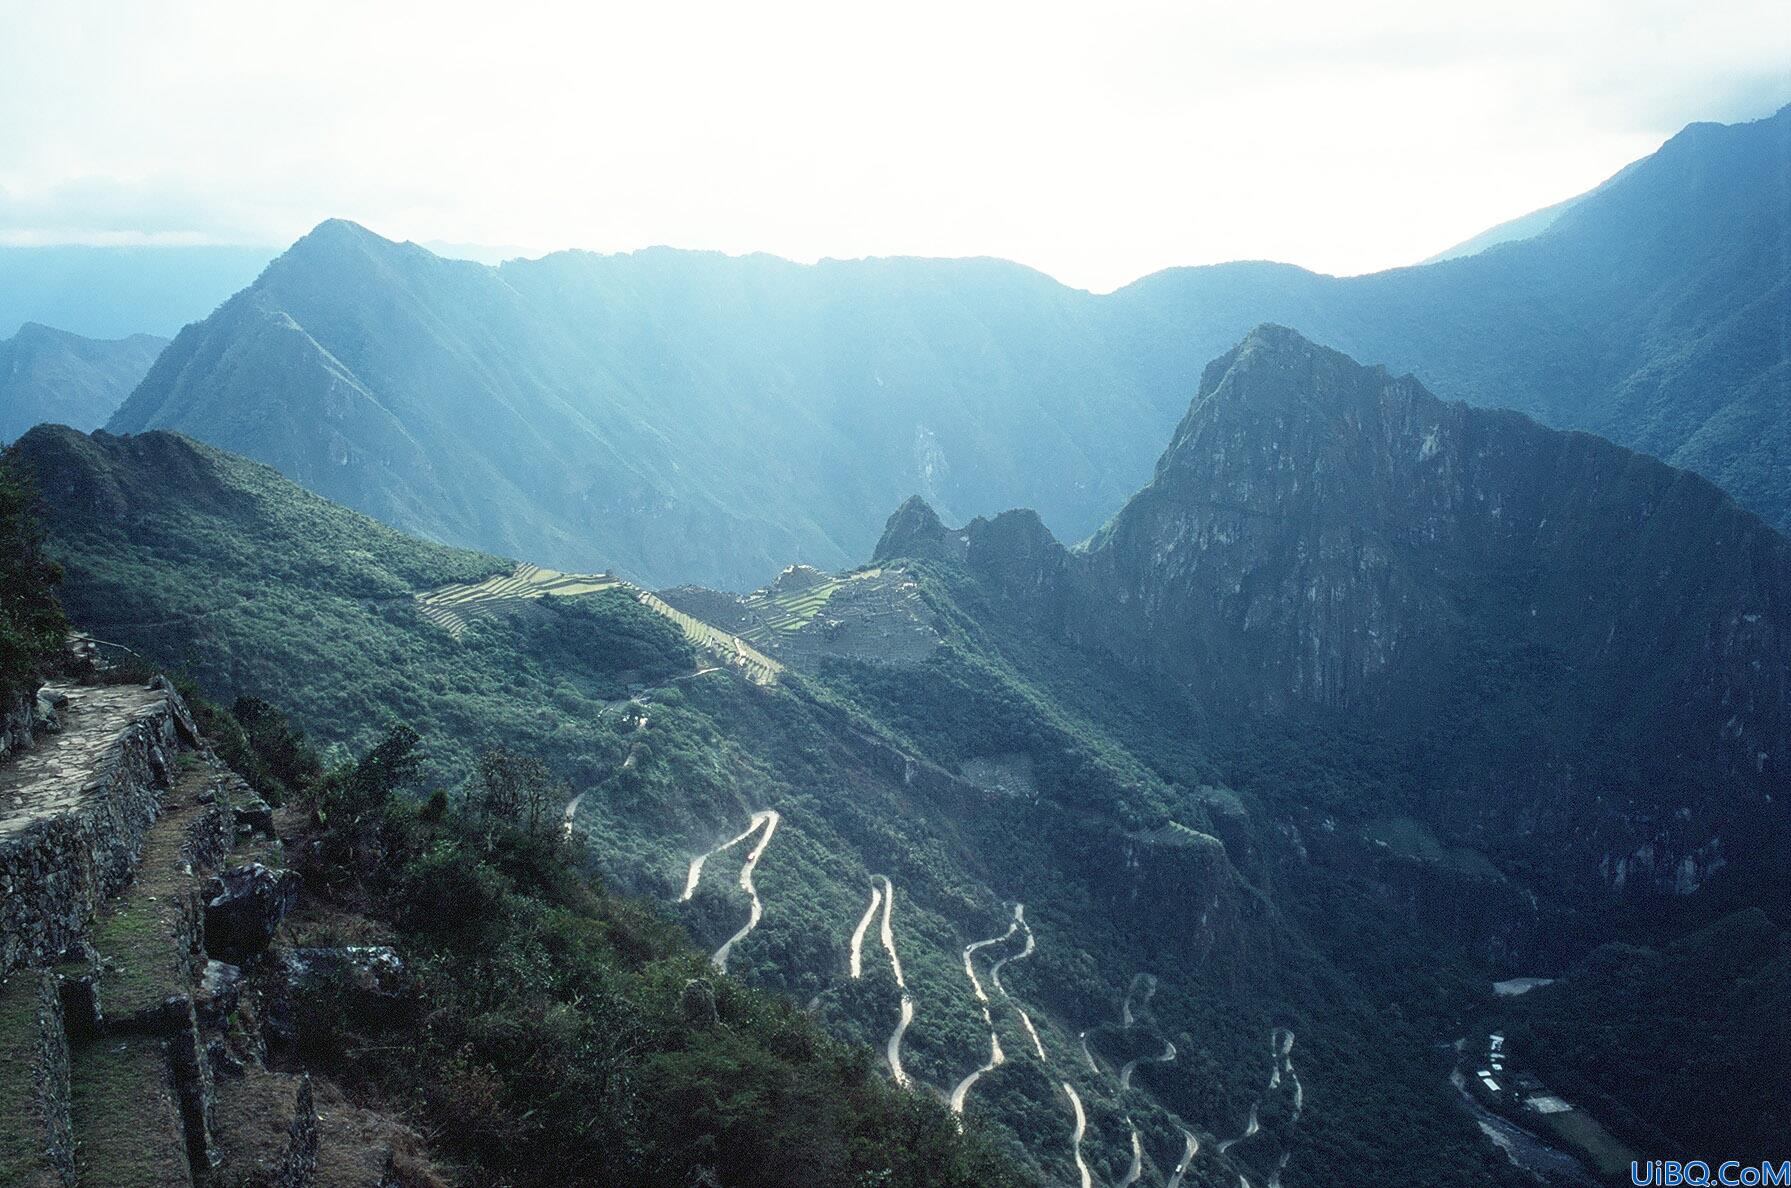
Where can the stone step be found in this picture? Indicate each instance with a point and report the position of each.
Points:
(36, 1144)
(265, 1124)
(126, 1113)
(150, 937)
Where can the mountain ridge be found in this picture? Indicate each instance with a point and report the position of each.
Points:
(692, 417)
(1329, 541)
(48, 374)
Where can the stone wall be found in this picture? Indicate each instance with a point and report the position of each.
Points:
(76, 808)
(20, 721)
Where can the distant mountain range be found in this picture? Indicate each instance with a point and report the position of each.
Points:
(692, 417)
(51, 375)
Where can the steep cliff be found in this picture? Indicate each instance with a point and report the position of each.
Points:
(1578, 642)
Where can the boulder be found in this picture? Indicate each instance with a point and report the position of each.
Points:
(220, 986)
(243, 909)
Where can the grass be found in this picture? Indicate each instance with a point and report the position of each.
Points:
(127, 1120)
(21, 1125)
(449, 607)
(140, 934)
(452, 607)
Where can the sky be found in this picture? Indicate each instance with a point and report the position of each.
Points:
(1095, 141)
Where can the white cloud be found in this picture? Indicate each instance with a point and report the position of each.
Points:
(1095, 142)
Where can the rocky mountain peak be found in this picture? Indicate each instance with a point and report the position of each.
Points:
(915, 531)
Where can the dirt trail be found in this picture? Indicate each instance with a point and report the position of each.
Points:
(571, 812)
(995, 978)
(996, 1059)
(768, 819)
(996, 1056)
(864, 924)
(1076, 1134)
(1136, 1169)
(696, 864)
(1131, 1066)
(1082, 1038)
(1250, 1128)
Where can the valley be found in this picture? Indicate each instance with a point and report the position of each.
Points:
(615, 596)
(959, 726)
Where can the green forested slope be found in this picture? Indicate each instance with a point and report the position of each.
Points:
(1125, 866)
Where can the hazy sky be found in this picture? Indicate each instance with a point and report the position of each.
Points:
(1097, 141)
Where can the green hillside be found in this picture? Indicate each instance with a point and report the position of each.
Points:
(255, 587)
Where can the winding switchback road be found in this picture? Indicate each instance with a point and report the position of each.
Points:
(995, 978)
(996, 1056)
(864, 924)
(1125, 1008)
(768, 819)
(1250, 1128)
(1136, 1169)
(893, 1050)
(1131, 1066)
(1188, 1152)
(1076, 1134)
(996, 1059)
(696, 864)
(1082, 1038)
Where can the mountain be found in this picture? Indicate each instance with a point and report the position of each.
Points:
(1527, 226)
(671, 415)
(1652, 312)
(998, 808)
(51, 375)
(111, 291)
(689, 417)
(1582, 652)
(1364, 701)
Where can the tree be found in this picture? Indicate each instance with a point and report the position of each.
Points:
(32, 625)
(516, 789)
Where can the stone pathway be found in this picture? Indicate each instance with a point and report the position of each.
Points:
(58, 773)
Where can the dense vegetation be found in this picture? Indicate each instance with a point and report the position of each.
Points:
(549, 1025)
(31, 620)
(223, 569)
(1640, 1035)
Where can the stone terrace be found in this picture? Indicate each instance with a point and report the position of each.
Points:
(74, 809)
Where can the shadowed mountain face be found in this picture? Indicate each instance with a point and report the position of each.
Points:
(50, 375)
(1577, 642)
(687, 417)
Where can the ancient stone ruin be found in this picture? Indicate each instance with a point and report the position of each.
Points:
(143, 973)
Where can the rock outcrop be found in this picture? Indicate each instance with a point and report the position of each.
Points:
(1324, 541)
